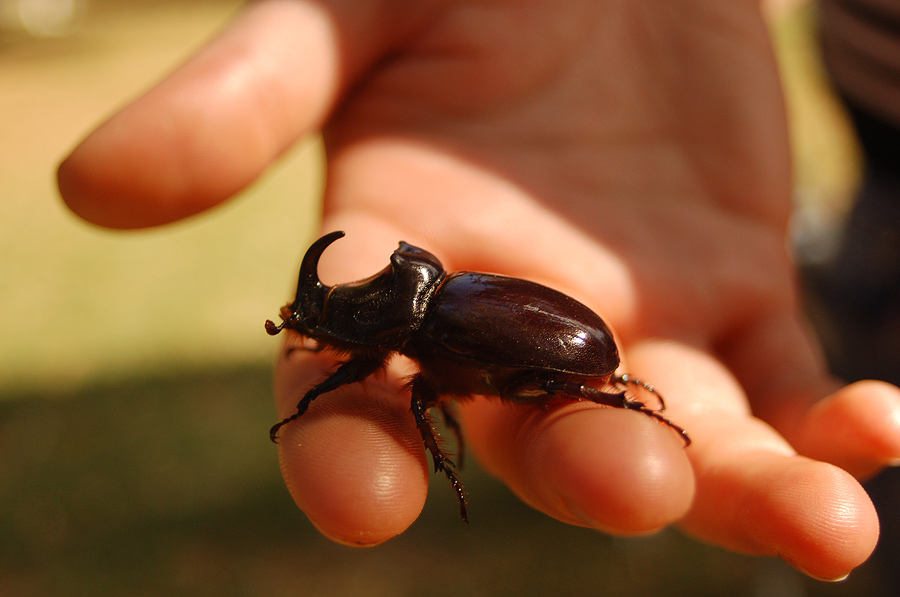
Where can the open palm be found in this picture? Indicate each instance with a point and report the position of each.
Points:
(630, 154)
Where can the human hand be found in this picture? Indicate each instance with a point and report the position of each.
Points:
(632, 155)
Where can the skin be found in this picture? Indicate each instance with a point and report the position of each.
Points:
(631, 154)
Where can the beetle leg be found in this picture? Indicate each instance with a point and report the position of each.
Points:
(580, 390)
(628, 380)
(588, 392)
(422, 398)
(618, 400)
(350, 372)
(454, 427)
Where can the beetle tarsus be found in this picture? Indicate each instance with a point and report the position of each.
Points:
(423, 397)
(640, 407)
(617, 400)
(454, 427)
(352, 371)
(273, 431)
(626, 380)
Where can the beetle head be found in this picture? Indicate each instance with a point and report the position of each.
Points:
(306, 310)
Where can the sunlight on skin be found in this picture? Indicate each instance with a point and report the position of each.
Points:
(659, 200)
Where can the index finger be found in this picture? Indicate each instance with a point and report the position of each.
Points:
(354, 462)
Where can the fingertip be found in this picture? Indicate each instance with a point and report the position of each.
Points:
(360, 490)
(354, 463)
(211, 127)
(811, 514)
(857, 428)
(603, 468)
(635, 479)
(841, 525)
(121, 178)
(157, 161)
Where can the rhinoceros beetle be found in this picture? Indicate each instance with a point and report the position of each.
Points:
(470, 334)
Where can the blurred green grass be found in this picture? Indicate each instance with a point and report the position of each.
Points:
(135, 383)
(81, 304)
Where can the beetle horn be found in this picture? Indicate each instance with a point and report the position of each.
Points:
(309, 284)
(309, 301)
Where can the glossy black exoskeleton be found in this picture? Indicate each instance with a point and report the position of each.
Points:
(470, 334)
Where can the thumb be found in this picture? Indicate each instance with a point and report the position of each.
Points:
(218, 121)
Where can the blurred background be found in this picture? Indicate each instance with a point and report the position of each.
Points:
(135, 373)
